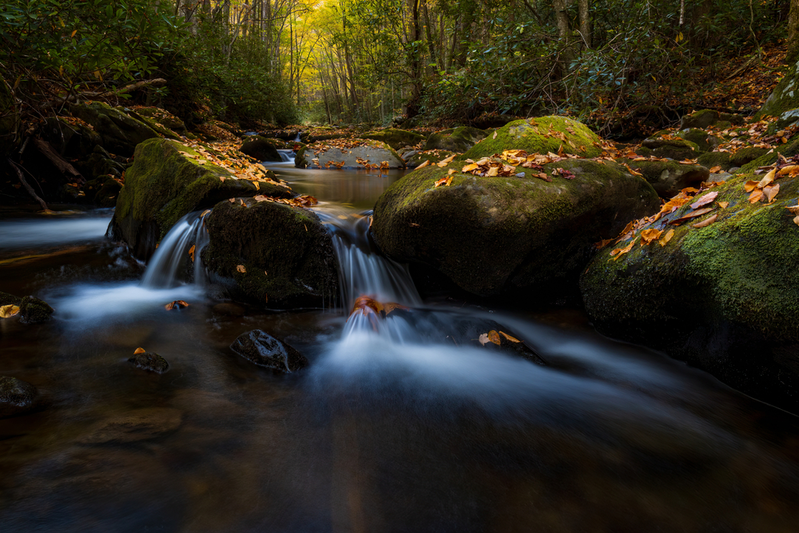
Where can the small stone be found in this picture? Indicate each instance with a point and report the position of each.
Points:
(34, 310)
(152, 362)
(263, 349)
(16, 396)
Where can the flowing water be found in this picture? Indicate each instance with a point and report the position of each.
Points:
(402, 424)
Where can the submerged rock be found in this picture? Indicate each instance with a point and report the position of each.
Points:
(455, 139)
(539, 135)
(152, 362)
(134, 426)
(169, 180)
(271, 254)
(494, 235)
(723, 296)
(260, 348)
(16, 396)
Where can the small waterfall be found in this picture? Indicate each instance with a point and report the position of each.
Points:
(287, 156)
(297, 138)
(187, 238)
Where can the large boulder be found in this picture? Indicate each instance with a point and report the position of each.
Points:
(723, 296)
(395, 138)
(168, 180)
(260, 148)
(671, 148)
(348, 154)
(271, 254)
(540, 135)
(492, 235)
(455, 139)
(119, 131)
(669, 177)
(705, 118)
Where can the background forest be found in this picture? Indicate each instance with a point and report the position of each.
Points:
(611, 63)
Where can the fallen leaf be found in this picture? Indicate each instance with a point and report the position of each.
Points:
(447, 161)
(790, 171)
(794, 209)
(723, 205)
(756, 196)
(708, 221)
(139, 350)
(492, 172)
(177, 304)
(618, 252)
(704, 200)
(750, 186)
(451, 171)
(7, 311)
(509, 337)
(445, 181)
(767, 179)
(648, 236)
(240, 268)
(391, 306)
(493, 336)
(796, 220)
(470, 167)
(715, 170)
(770, 192)
(666, 238)
(191, 253)
(424, 164)
(495, 135)
(483, 339)
(692, 214)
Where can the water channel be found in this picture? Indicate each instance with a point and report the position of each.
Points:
(388, 430)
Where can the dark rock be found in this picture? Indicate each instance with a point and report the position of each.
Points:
(271, 254)
(134, 426)
(497, 235)
(33, 310)
(703, 140)
(670, 177)
(261, 149)
(747, 155)
(16, 396)
(714, 159)
(678, 149)
(229, 309)
(152, 362)
(72, 141)
(724, 297)
(262, 349)
(708, 117)
(9, 299)
(454, 139)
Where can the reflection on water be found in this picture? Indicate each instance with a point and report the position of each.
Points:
(401, 427)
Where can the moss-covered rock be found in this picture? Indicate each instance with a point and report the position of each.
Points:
(747, 155)
(791, 148)
(539, 135)
(9, 119)
(785, 95)
(496, 235)
(119, 131)
(715, 159)
(168, 180)
(708, 117)
(162, 117)
(16, 396)
(455, 139)
(348, 155)
(33, 310)
(724, 297)
(678, 149)
(260, 148)
(395, 138)
(413, 158)
(704, 141)
(670, 177)
(70, 139)
(271, 254)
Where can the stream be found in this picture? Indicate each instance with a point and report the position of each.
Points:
(388, 430)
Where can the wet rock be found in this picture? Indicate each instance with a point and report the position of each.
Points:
(496, 235)
(724, 297)
(34, 310)
(16, 396)
(134, 426)
(261, 149)
(271, 254)
(168, 180)
(670, 177)
(395, 138)
(455, 139)
(71, 140)
(320, 155)
(262, 349)
(150, 361)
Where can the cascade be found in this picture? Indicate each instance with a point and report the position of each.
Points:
(297, 138)
(170, 258)
(286, 156)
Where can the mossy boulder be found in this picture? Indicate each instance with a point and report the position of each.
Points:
(747, 155)
(168, 180)
(9, 119)
(705, 118)
(670, 177)
(119, 131)
(704, 141)
(715, 159)
(785, 95)
(724, 297)
(347, 155)
(413, 158)
(455, 139)
(32, 310)
(677, 149)
(495, 235)
(162, 117)
(150, 361)
(539, 135)
(395, 138)
(260, 148)
(16, 396)
(271, 254)
(789, 149)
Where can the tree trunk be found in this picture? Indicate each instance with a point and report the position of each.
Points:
(585, 22)
(793, 32)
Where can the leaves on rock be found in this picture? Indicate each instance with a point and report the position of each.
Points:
(241, 269)
(618, 252)
(191, 252)
(7, 311)
(666, 238)
(692, 214)
(708, 221)
(704, 200)
(446, 181)
(139, 350)
(648, 236)
(177, 304)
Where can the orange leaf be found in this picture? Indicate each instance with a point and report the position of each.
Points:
(756, 196)
(618, 252)
(767, 179)
(139, 350)
(7, 311)
(191, 253)
(794, 209)
(446, 161)
(446, 181)
(451, 171)
(706, 199)
(177, 304)
(666, 238)
(493, 336)
(791, 171)
(470, 167)
(723, 205)
(424, 164)
(648, 236)
(715, 170)
(240, 268)
(509, 337)
(692, 214)
(708, 221)
(750, 186)
(391, 306)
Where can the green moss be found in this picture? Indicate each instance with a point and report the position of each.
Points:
(746, 155)
(395, 138)
(700, 138)
(539, 135)
(34, 310)
(454, 139)
(785, 95)
(713, 159)
(788, 150)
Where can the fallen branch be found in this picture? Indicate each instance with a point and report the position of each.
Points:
(27, 185)
(156, 82)
(60, 163)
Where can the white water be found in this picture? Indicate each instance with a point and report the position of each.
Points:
(163, 271)
(16, 234)
(287, 156)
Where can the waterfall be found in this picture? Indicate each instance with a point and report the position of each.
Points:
(286, 156)
(297, 138)
(186, 238)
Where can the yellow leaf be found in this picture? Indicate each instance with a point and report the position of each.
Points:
(756, 196)
(470, 167)
(790, 170)
(767, 179)
(750, 186)
(73, 33)
(723, 205)
(139, 350)
(447, 161)
(648, 236)
(510, 338)
(424, 164)
(7, 311)
(493, 171)
(770, 192)
(240, 268)
(715, 170)
(706, 222)
(451, 171)
(666, 238)
(493, 336)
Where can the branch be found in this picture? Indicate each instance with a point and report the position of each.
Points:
(27, 185)
(60, 163)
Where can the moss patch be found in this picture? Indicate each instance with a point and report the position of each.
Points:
(395, 138)
(455, 139)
